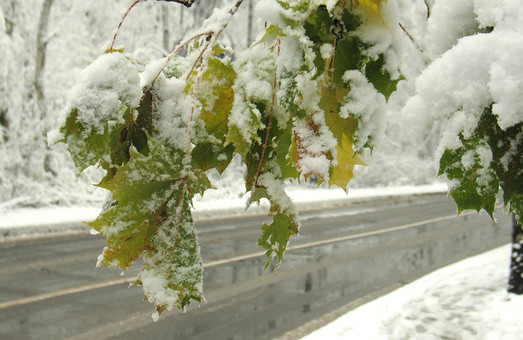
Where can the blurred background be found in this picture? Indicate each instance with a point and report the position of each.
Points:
(44, 44)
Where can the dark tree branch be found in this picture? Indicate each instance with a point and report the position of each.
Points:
(515, 282)
(187, 3)
(427, 59)
(428, 9)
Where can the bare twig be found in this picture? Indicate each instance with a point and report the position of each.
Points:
(418, 47)
(212, 38)
(428, 8)
(204, 55)
(121, 22)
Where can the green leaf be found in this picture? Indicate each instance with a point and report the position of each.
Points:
(272, 33)
(88, 146)
(343, 130)
(152, 216)
(283, 153)
(381, 78)
(474, 185)
(507, 150)
(207, 156)
(275, 236)
(216, 96)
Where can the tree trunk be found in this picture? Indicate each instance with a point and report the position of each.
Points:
(9, 14)
(41, 48)
(515, 282)
(4, 125)
(165, 29)
(250, 10)
(9, 11)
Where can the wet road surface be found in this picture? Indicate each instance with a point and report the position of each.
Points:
(50, 288)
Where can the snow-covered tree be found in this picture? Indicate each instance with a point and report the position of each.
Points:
(43, 46)
(473, 90)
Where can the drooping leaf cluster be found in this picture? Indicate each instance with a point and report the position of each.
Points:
(301, 101)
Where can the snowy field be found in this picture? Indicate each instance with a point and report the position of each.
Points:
(466, 300)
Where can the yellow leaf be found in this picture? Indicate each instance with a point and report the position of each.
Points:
(343, 172)
(343, 130)
(373, 7)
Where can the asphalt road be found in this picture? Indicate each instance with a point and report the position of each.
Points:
(50, 288)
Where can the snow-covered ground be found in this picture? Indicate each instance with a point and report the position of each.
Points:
(215, 201)
(466, 300)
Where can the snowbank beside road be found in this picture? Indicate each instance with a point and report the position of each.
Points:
(466, 300)
(205, 208)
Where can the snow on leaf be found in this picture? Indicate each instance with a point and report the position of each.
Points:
(172, 272)
(472, 185)
(151, 215)
(107, 147)
(275, 236)
(343, 130)
(374, 6)
(216, 96)
(100, 124)
(474, 182)
(487, 159)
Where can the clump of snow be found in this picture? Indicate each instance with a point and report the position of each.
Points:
(501, 14)
(270, 11)
(151, 72)
(380, 34)
(277, 194)
(326, 51)
(112, 79)
(467, 300)
(172, 111)
(54, 137)
(506, 83)
(459, 85)
(479, 71)
(449, 21)
(313, 145)
(369, 106)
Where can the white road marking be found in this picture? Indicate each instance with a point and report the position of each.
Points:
(63, 292)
